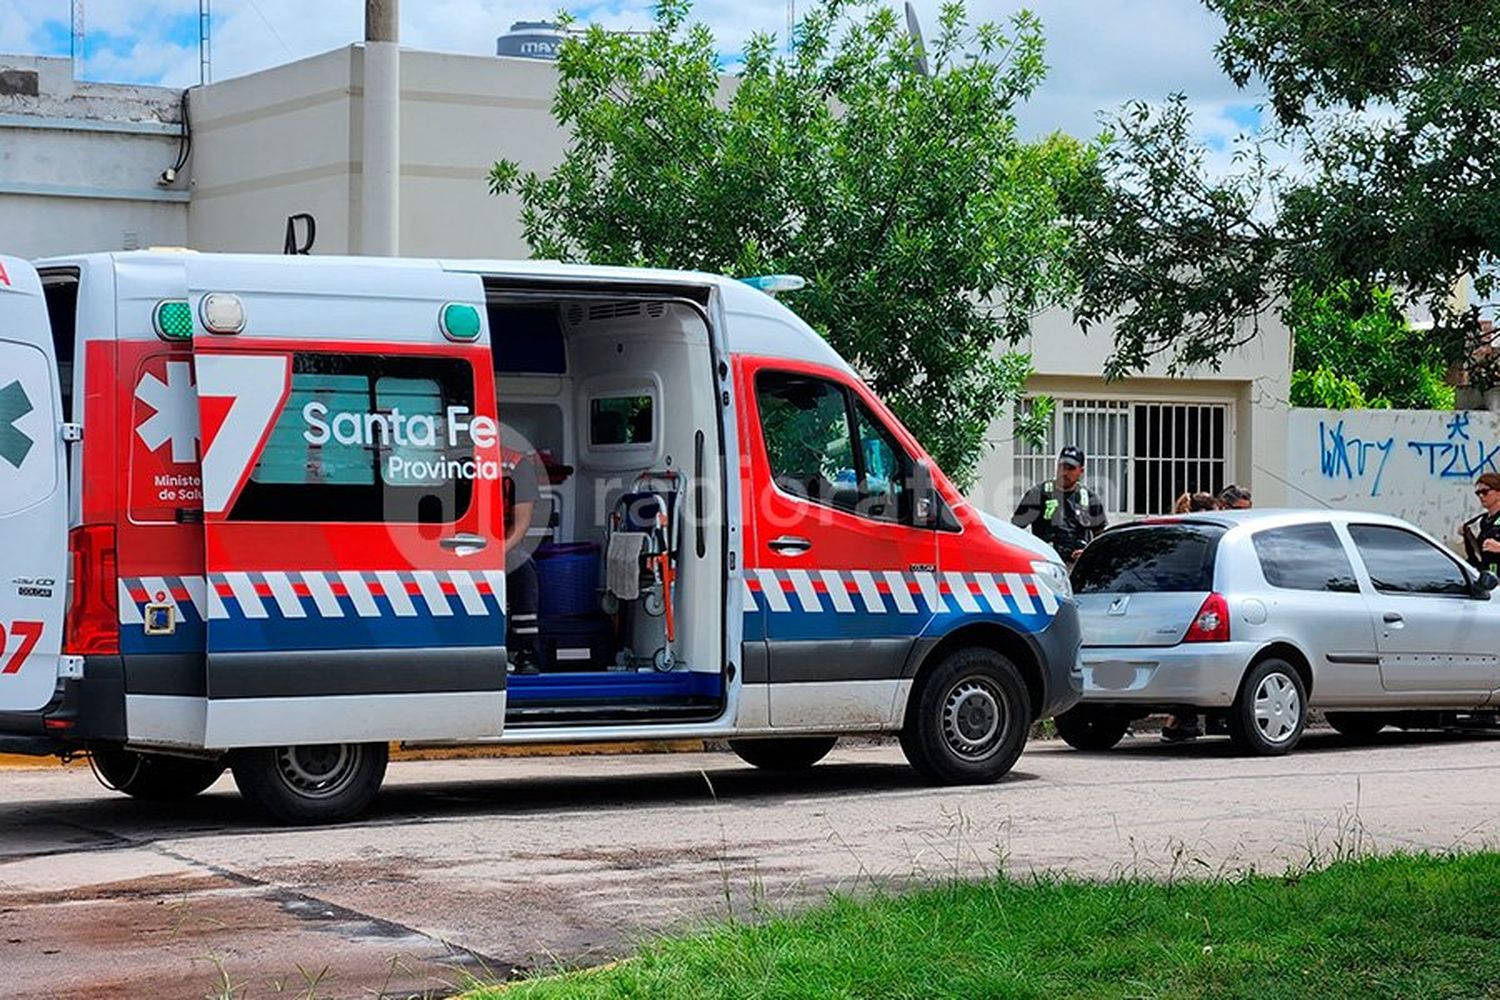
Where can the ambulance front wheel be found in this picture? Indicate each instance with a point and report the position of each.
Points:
(154, 777)
(322, 783)
(968, 719)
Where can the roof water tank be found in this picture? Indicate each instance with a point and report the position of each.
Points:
(531, 40)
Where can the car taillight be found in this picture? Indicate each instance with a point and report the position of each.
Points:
(1211, 623)
(93, 622)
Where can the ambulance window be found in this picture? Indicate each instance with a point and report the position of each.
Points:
(60, 287)
(886, 492)
(805, 426)
(365, 438)
(620, 420)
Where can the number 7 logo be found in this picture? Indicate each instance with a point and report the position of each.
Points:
(30, 633)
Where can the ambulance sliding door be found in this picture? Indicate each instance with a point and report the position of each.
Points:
(352, 520)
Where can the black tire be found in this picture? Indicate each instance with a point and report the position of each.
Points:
(1279, 686)
(968, 719)
(1357, 726)
(304, 785)
(154, 777)
(1092, 727)
(790, 753)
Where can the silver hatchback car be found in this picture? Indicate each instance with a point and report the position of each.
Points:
(1252, 617)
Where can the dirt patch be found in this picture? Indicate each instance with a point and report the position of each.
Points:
(148, 887)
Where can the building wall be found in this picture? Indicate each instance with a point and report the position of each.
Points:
(79, 162)
(1253, 382)
(1416, 464)
(289, 140)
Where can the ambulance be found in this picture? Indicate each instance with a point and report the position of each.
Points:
(254, 516)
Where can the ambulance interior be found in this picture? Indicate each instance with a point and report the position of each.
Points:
(615, 400)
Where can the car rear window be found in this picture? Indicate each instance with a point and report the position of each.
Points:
(1163, 558)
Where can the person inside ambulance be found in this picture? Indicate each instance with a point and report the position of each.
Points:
(1061, 511)
(522, 490)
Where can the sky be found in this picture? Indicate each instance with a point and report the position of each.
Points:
(1100, 53)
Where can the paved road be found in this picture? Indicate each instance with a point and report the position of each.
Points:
(475, 867)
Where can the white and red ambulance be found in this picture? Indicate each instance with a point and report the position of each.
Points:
(252, 516)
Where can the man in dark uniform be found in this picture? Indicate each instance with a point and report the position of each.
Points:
(522, 491)
(1061, 511)
(1481, 535)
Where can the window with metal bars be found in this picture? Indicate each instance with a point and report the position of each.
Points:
(1141, 455)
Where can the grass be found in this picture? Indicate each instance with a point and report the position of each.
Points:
(1395, 926)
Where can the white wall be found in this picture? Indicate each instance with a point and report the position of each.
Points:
(1416, 464)
(289, 140)
(79, 164)
(1253, 381)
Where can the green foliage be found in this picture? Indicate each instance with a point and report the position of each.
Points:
(1355, 348)
(928, 232)
(1404, 926)
(1393, 109)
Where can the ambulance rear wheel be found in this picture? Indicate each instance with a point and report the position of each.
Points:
(968, 719)
(791, 753)
(312, 783)
(154, 777)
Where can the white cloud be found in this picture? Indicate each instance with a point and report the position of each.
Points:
(1100, 54)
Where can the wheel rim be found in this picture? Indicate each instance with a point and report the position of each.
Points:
(317, 772)
(1278, 708)
(975, 718)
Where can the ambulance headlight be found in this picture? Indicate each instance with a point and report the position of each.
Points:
(1054, 575)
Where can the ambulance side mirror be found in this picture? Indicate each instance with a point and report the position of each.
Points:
(924, 506)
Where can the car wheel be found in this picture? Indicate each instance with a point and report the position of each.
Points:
(154, 777)
(968, 720)
(1358, 726)
(784, 754)
(1092, 727)
(1270, 713)
(323, 783)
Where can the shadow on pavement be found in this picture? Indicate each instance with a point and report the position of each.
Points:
(116, 821)
(1145, 743)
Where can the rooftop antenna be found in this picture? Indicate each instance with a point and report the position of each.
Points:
(75, 38)
(205, 42)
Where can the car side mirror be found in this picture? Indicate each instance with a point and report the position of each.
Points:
(924, 505)
(1486, 583)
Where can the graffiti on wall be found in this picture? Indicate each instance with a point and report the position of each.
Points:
(1459, 454)
(1416, 464)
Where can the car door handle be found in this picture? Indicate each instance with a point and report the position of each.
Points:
(791, 545)
(464, 544)
(1393, 618)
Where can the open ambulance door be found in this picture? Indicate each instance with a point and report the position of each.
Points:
(352, 515)
(33, 495)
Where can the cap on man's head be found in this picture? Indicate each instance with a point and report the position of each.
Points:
(1071, 455)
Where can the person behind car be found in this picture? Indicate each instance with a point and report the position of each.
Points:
(1481, 534)
(1192, 503)
(1061, 511)
(1234, 497)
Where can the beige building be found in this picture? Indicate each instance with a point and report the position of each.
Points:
(289, 140)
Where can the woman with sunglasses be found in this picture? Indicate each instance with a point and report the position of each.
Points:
(1482, 534)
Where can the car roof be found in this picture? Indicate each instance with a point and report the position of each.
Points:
(1257, 518)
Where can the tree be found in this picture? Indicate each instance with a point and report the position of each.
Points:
(928, 232)
(1386, 116)
(1356, 350)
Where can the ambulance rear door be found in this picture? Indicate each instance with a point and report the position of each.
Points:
(33, 495)
(351, 498)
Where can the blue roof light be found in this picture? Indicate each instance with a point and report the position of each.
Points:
(773, 283)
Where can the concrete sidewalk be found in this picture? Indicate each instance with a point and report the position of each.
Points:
(479, 866)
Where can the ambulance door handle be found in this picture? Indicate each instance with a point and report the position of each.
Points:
(790, 545)
(464, 545)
